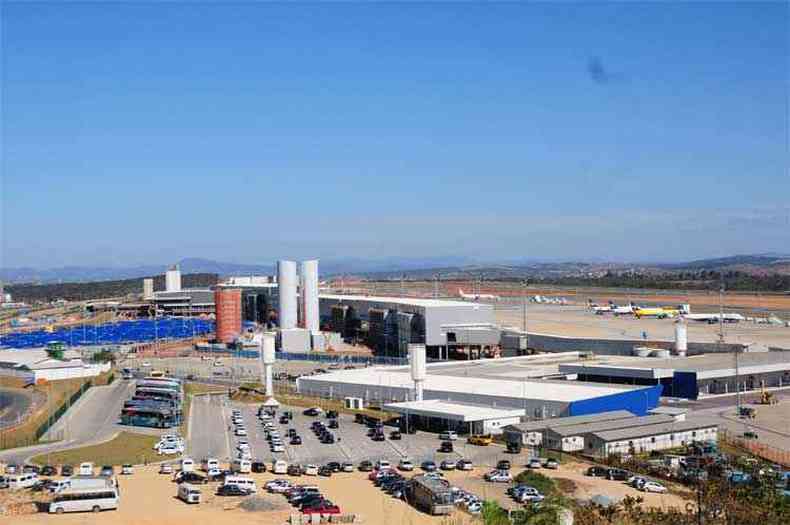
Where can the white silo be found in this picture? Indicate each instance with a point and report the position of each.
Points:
(310, 296)
(286, 275)
(418, 368)
(681, 337)
(148, 289)
(268, 358)
(173, 279)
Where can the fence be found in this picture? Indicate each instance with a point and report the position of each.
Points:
(51, 420)
(754, 447)
(341, 358)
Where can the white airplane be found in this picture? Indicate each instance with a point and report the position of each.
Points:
(714, 318)
(599, 310)
(623, 310)
(477, 297)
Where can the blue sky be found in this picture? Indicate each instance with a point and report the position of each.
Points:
(143, 133)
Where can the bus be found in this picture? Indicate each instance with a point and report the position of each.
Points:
(84, 499)
(163, 379)
(157, 393)
(144, 383)
(156, 373)
(149, 417)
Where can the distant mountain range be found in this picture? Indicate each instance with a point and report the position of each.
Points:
(413, 268)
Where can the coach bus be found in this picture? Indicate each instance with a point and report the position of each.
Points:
(157, 393)
(149, 417)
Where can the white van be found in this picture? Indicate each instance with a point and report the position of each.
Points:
(210, 463)
(187, 465)
(279, 467)
(188, 493)
(22, 481)
(247, 484)
(242, 466)
(86, 469)
(85, 499)
(449, 435)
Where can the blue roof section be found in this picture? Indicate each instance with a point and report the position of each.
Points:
(639, 402)
(112, 333)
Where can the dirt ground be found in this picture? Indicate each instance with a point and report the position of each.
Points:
(149, 498)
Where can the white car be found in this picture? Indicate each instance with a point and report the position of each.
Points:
(348, 467)
(278, 448)
(529, 494)
(241, 431)
(278, 485)
(464, 464)
(383, 464)
(475, 507)
(447, 464)
(652, 486)
(146, 364)
(499, 476)
(405, 464)
(310, 470)
(448, 436)
(166, 468)
(169, 450)
(243, 446)
(213, 473)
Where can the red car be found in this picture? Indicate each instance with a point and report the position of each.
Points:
(325, 507)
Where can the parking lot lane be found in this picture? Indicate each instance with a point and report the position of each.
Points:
(208, 429)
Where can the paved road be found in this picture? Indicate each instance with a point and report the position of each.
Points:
(208, 435)
(93, 418)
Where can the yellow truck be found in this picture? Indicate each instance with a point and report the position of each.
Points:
(482, 440)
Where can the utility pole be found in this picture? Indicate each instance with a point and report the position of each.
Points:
(524, 307)
(402, 286)
(436, 286)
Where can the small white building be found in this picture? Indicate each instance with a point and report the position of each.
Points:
(531, 433)
(36, 364)
(461, 417)
(573, 438)
(651, 437)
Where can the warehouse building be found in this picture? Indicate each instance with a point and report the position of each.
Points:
(390, 324)
(539, 399)
(572, 438)
(531, 433)
(648, 438)
(36, 364)
(690, 377)
(439, 415)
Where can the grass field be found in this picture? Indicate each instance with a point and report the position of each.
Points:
(56, 392)
(126, 447)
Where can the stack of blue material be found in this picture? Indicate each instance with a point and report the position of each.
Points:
(112, 333)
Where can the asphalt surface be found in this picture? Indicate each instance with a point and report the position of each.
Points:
(14, 404)
(212, 435)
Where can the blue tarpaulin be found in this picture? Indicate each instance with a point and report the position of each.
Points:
(112, 333)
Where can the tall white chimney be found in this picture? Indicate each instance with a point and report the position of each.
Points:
(286, 275)
(268, 358)
(310, 295)
(418, 368)
(681, 337)
(148, 289)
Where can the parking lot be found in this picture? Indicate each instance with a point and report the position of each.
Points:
(212, 429)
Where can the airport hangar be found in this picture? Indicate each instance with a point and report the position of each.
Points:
(390, 324)
(689, 377)
(468, 396)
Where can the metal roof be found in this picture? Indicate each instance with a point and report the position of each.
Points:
(598, 426)
(399, 377)
(453, 410)
(413, 301)
(654, 430)
(535, 426)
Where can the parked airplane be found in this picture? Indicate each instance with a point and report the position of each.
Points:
(477, 297)
(660, 313)
(623, 310)
(714, 318)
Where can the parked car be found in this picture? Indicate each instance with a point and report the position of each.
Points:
(528, 494)
(503, 464)
(231, 490)
(11, 469)
(499, 476)
(428, 466)
(294, 470)
(652, 486)
(107, 471)
(535, 463)
(447, 464)
(325, 507)
(258, 466)
(165, 468)
(67, 470)
(365, 466)
(446, 447)
(464, 464)
(395, 435)
(192, 478)
(48, 470)
(348, 467)
(482, 440)
(448, 436)
(325, 471)
(313, 412)
(552, 464)
(597, 472)
(127, 469)
(406, 465)
(618, 474)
